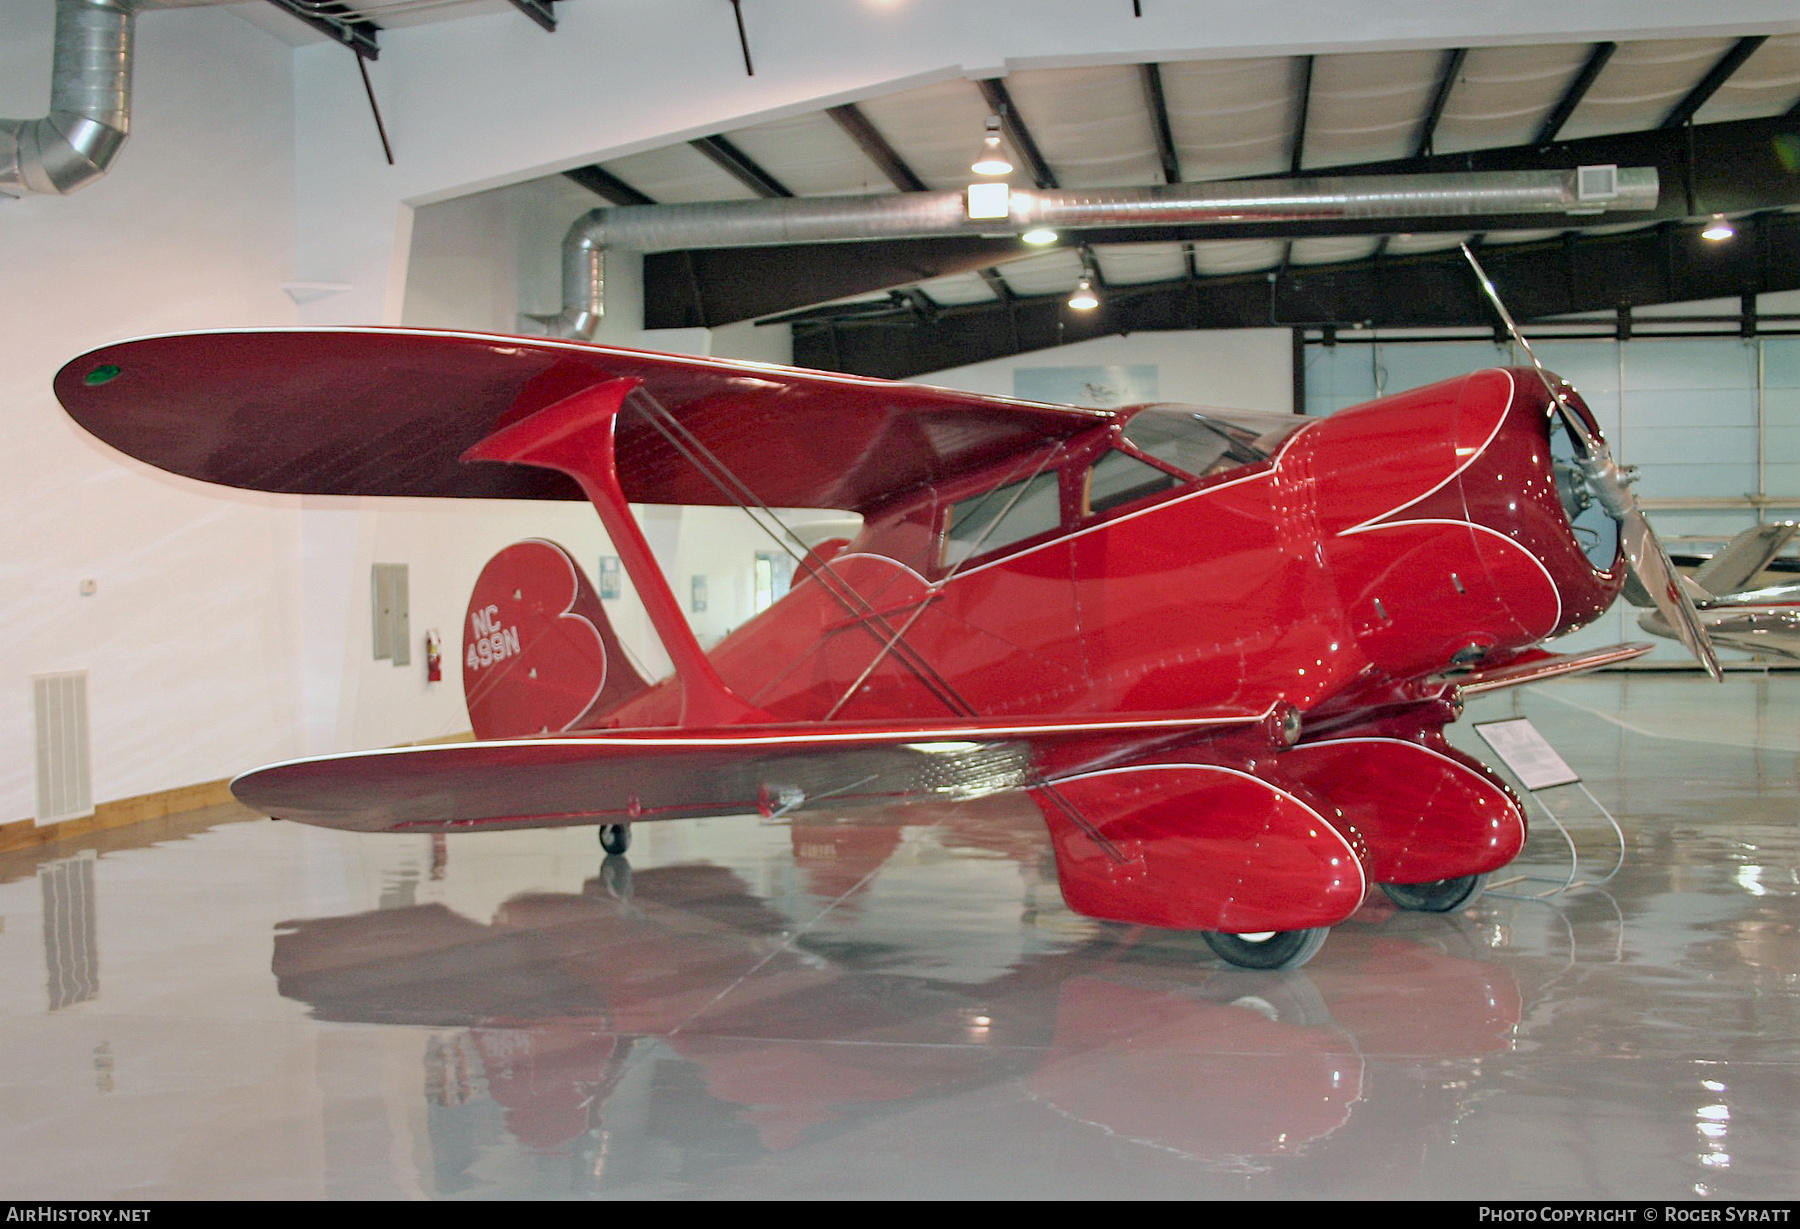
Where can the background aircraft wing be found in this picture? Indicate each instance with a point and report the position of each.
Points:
(618, 776)
(377, 411)
(1745, 556)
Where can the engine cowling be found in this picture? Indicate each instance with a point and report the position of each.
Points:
(1453, 528)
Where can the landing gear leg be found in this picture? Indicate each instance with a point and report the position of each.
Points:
(615, 838)
(1269, 949)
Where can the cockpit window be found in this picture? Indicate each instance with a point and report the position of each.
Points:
(1203, 444)
(1191, 443)
(1118, 478)
(1002, 516)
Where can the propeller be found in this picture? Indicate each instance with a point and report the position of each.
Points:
(1610, 485)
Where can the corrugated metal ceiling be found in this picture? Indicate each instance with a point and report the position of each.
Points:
(1231, 118)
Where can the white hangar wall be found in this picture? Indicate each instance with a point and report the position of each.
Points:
(228, 628)
(1243, 369)
(190, 635)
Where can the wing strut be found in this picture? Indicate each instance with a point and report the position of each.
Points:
(894, 642)
(575, 436)
(854, 604)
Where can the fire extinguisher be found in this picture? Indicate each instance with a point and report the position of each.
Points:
(434, 657)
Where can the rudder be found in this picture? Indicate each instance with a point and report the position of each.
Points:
(539, 655)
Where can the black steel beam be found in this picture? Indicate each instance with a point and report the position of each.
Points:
(1571, 97)
(1158, 107)
(736, 163)
(875, 147)
(1551, 278)
(1717, 76)
(1305, 92)
(997, 284)
(1447, 73)
(1737, 167)
(993, 90)
(339, 24)
(917, 302)
(608, 186)
(539, 11)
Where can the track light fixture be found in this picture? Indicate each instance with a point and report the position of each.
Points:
(1718, 230)
(1084, 299)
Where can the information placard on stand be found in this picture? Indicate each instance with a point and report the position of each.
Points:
(1533, 760)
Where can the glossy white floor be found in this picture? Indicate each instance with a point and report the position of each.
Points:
(901, 1006)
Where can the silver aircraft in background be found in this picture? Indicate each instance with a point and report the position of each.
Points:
(1738, 612)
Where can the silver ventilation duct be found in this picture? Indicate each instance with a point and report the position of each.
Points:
(90, 100)
(918, 215)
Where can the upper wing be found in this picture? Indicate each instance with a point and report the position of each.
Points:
(380, 411)
(617, 776)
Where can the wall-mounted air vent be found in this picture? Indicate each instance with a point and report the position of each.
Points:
(65, 776)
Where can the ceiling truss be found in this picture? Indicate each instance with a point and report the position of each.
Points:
(1571, 273)
(1735, 167)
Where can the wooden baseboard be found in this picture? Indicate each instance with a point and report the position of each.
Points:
(28, 834)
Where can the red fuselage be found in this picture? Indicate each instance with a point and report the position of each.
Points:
(1363, 553)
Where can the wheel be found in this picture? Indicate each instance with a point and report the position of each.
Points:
(1439, 896)
(615, 838)
(1269, 949)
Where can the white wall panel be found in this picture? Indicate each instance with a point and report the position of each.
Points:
(193, 635)
(1245, 369)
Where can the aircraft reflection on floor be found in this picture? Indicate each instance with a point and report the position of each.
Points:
(576, 1015)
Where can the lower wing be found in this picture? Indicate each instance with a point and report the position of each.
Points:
(618, 776)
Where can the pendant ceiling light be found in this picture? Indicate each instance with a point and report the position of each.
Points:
(991, 160)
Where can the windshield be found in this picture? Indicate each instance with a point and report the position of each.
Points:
(1207, 442)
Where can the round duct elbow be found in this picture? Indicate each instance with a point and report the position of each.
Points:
(90, 104)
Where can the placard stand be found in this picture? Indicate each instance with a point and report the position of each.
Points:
(1538, 767)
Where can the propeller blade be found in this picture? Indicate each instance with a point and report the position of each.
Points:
(1591, 443)
(1650, 565)
(1652, 575)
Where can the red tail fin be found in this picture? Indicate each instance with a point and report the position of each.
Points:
(539, 655)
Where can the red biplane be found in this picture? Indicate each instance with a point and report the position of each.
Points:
(1218, 650)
